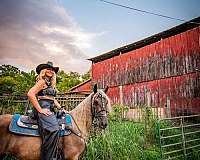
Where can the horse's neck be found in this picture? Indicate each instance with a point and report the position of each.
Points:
(82, 116)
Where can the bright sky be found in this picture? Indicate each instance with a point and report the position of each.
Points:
(68, 32)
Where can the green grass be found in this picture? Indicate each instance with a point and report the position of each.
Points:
(122, 141)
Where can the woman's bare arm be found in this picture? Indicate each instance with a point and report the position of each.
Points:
(57, 104)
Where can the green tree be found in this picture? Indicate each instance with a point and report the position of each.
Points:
(7, 84)
(24, 82)
(86, 76)
(8, 70)
(14, 81)
(65, 81)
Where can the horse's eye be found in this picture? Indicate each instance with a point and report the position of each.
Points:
(96, 102)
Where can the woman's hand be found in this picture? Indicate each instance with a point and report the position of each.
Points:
(62, 109)
(46, 112)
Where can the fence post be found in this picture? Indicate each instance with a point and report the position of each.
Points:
(159, 134)
(183, 137)
(168, 107)
(121, 94)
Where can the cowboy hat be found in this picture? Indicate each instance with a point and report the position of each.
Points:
(46, 65)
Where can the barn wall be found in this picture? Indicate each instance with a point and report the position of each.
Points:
(175, 95)
(173, 56)
(164, 74)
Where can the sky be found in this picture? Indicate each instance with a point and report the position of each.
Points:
(68, 32)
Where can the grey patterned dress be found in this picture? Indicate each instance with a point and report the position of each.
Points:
(49, 127)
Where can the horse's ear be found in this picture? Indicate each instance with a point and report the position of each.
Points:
(106, 89)
(95, 88)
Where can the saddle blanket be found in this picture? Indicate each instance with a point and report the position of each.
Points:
(33, 131)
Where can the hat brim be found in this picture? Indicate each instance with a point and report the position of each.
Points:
(45, 66)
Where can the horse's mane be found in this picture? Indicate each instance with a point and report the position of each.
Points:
(108, 99)
(82, 113)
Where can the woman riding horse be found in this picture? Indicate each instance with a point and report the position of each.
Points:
(42, 96)
(93, 109)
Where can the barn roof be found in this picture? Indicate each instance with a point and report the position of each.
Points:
(79, 85)
(149, 40)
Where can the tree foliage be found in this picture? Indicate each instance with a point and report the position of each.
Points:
(14, 81)
(7, 84)
(67, 80)
(8, 70)
(87, 75)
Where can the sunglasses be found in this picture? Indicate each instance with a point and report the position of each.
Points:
(51, 69)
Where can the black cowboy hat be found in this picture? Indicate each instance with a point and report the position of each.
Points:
(46, 65)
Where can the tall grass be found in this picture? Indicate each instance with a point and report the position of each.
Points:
(123, 140)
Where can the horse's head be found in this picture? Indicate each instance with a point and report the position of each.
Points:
(100, 107)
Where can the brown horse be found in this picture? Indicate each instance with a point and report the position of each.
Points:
(95, 106)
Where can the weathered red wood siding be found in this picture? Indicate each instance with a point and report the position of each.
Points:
(113, 94)
(182, 92)
(168, 68)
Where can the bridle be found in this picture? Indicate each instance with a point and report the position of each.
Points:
(103, 111)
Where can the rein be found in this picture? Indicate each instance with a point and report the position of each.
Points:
(94, 113)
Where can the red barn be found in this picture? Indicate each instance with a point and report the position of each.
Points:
(83, 88)
(161, 71)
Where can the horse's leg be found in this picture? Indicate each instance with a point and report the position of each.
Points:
(73, 147)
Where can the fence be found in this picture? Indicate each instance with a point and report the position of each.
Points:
(71, 101)
(182, 139)
(11, 104)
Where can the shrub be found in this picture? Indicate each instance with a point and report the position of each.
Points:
(119, 112)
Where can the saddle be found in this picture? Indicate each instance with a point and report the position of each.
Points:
(27, 122)
(25, 125)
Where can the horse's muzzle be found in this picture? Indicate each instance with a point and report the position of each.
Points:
(103, 123)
